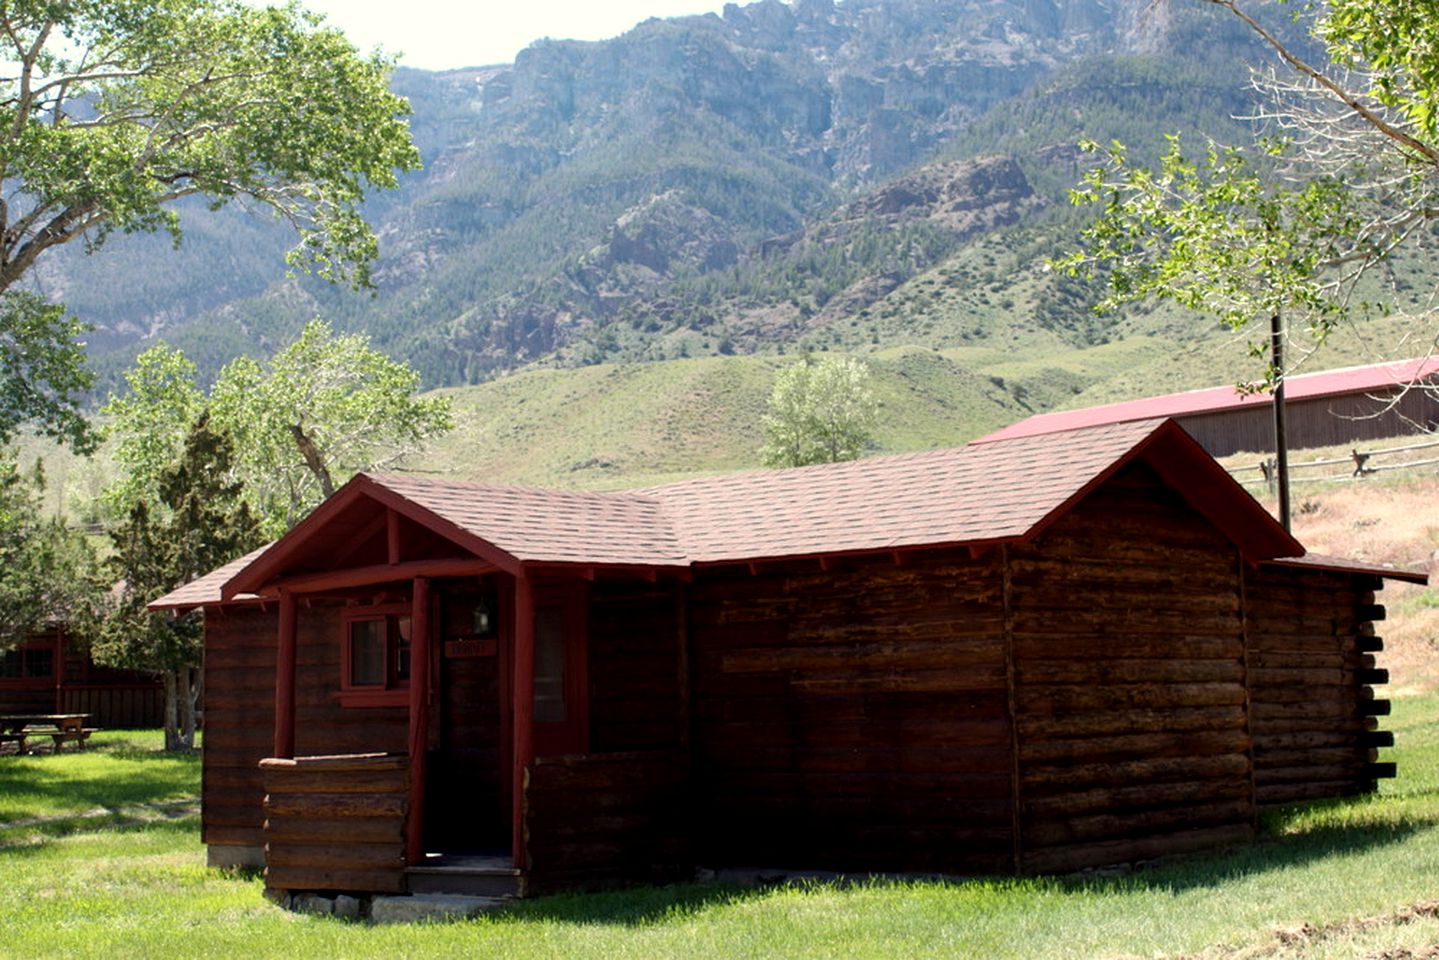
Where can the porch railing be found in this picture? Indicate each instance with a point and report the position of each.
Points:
(336, 823)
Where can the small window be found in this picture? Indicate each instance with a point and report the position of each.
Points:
(10, 665)
(376, 654)
(40, 663)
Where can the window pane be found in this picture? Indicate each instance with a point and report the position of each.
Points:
(550, 704)
(402, 648)
(10, 664)
(367, 653)
(40, 662)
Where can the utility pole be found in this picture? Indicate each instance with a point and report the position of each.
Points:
(1281, 440)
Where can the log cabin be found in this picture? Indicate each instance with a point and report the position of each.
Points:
(1031, 655)
(52, 673)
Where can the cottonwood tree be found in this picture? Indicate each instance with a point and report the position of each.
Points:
(113, 110)
(324, 408)
(199, 522)
(321, 410)
(819, 412)
(148, 424)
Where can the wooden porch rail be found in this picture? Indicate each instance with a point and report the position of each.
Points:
(336, 822)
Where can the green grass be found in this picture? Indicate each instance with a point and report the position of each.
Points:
(133, 885)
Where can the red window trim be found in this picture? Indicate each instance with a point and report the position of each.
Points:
(395, 692)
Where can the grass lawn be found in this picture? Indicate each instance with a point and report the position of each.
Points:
(100, 857)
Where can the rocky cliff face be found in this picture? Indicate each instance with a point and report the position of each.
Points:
(635, 179)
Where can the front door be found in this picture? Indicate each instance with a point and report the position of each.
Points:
(467, 806)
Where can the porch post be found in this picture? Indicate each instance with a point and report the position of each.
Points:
(285, 678)
(419, 718)
(523, 752)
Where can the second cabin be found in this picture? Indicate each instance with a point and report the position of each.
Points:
(1031, 655)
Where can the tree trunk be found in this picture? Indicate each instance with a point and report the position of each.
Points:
(189, 690)
(313, 460)
(172, 713)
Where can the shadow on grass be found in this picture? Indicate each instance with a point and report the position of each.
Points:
(1274, 850)
(30, 840)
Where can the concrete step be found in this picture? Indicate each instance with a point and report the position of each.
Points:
(430, 907)
(474, 876)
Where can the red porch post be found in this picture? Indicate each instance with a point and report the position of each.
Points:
(285, 678)
(419, 742)
(523, 752)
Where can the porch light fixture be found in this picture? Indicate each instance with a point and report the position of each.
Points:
(480, 619)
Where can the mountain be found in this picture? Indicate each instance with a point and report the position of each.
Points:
(802, 175)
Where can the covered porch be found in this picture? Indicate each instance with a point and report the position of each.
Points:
(451, 717)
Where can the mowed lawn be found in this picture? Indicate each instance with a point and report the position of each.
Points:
(100, 857)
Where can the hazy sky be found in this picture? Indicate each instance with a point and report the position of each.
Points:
(437, 34)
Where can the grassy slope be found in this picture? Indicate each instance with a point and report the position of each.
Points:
(135, 884)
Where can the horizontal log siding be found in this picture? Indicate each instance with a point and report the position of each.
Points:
(239, 723)
(1311, 702)
(855, 718)
(634, 666)
(322, 726)
(603, 819)
(1129, 682)
(336, 823)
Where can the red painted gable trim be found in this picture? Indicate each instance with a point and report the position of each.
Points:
(253, 578)
(1197, 477)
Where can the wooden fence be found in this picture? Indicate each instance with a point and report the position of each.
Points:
(1358, 465)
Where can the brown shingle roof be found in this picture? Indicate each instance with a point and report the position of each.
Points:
(1001, 491)
(966, 495)
(205, 591)
(550, 526)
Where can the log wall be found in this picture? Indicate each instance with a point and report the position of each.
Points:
(239, 722)
(855, 717)
(635, 667)
(602, 819)
(336, 823)
(322, 726)
(1312, 678)
(1129, 690)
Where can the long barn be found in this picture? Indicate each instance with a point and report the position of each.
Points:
(1352, 405)
(1031, 655)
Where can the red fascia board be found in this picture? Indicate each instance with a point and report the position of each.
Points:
(253, 578)
(1197, 477)
(448, 529)
(860, 552)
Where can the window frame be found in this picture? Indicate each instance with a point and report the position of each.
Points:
(394, 690)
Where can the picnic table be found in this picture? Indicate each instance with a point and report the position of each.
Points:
(61, 728)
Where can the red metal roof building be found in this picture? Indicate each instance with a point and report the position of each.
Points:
(1332, 407)
(1023, 655)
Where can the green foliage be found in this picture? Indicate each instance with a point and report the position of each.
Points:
(46, 569)
(328, 405)
(1391, 44)
(42, 371)
(200, 522)
(819, 412)
(1219, 235)
(148, 424)
(117, 108)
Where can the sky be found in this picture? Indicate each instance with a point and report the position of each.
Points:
(440, 34)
